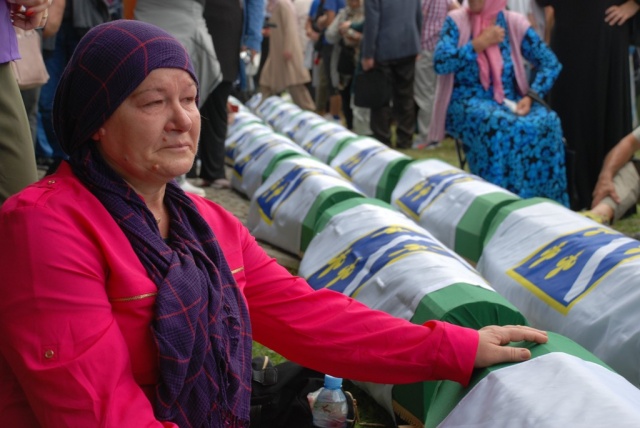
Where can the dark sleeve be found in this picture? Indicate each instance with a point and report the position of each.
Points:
(547, 65)
(371, 27)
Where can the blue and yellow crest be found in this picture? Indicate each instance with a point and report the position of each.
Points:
(349, 166)
(239, 166)
(271, 199)
(425, 192)
(311, 144)
(367, 255)
(568, 268)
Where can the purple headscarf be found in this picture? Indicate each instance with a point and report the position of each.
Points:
(108, 64)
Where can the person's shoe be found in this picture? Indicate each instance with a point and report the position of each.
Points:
(190, 188)
(334, 119)
(221, 183)
(426, 145)
(218, 183)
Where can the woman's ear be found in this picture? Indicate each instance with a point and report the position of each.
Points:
(101, 132)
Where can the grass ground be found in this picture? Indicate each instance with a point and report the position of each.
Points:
(370, 413)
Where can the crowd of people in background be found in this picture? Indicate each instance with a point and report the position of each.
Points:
(316, 50)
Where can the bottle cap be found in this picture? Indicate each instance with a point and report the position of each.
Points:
(331, 382)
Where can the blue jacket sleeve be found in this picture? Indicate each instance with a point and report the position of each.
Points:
(448, 57)
(371, 26)
(253, 21)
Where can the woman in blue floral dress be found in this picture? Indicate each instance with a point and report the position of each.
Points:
(521, 151)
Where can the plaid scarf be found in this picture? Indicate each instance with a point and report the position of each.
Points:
(201, 323)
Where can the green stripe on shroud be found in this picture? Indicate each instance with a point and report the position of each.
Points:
(474, 224)
(390, 177)
(462, 304)
(325, 199)
(343, 206)
(505, 211)
(337, 148)
(273, 163)
(448, 394)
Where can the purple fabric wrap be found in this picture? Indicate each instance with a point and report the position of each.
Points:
(109, 63)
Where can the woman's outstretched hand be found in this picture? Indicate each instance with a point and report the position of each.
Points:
(491, 349)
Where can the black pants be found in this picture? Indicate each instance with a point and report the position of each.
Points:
(401, 73)
(214, 132)
(345, 93)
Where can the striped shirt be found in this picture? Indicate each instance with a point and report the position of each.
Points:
(434, 13)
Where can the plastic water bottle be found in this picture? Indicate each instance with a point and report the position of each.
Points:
(329, 409)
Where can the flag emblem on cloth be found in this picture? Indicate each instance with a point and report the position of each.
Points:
(272, 198)
(310, 145)
(238, 167)
(349, 166)
(425, 192)
(566, 269)
(368, 254)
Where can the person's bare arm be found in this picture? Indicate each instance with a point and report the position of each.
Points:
(29, 14)
(549, 16)
(311, 34)
(617, 157)
(56, 11)
(618, 15)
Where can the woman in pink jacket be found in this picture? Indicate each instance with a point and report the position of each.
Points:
(127, 303)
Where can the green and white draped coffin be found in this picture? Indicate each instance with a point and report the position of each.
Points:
(285, 208)
(325, 140)
(454, 205)
(371, 166)
(242, 118)
(375, 254)
(289, 125)
(267, 105)
(280, 114)
(239, 134)
(257, 156)
(562, 386)
(571, 275)
(253, 102)
(304, 125)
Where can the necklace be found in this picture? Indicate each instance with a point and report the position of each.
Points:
(158, 219)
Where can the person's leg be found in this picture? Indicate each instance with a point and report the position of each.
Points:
(403, 72)
(266, 92)
(66, 40)
(322, 91)
(301, 97)
(335, 101)
(627, 185)
(380, 118)
(213, 134)
(361, 118)
(30, 100)
(424, 87)
(345, 94)
(17, 157)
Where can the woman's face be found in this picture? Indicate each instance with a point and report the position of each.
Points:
(152, 137)
(476, 6)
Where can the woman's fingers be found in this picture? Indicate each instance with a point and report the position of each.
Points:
(491, 349)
